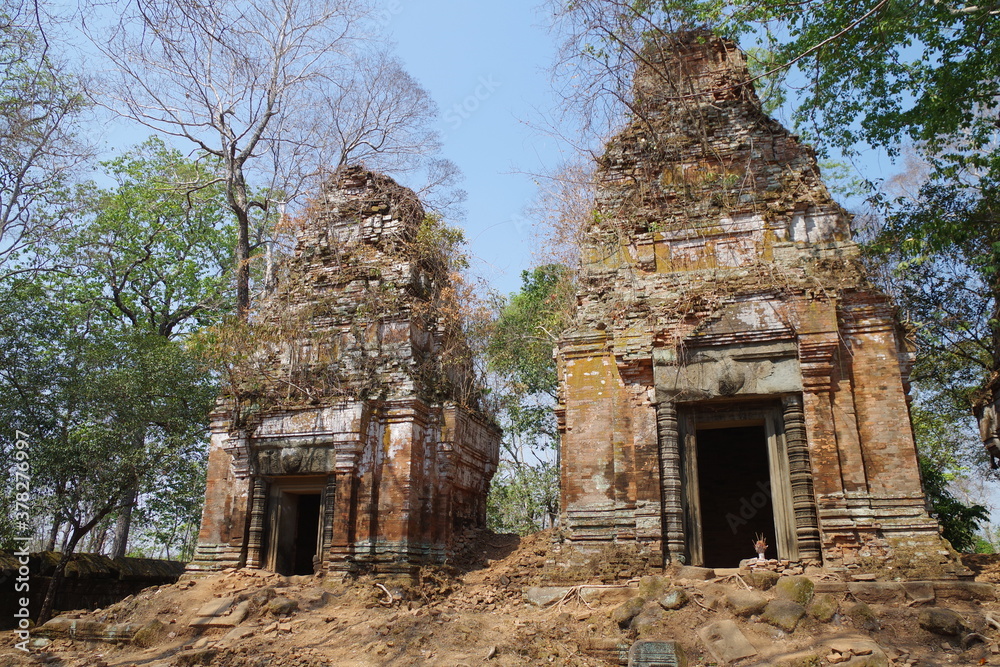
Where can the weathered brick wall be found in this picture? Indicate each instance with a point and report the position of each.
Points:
(359, 391)
(721, 286)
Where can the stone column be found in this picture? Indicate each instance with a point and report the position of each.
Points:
(329, 508)
(258, 506)
(670, 482)
(800, 472)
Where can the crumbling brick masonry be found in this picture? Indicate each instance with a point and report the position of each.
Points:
(730, 373)
(351, 438)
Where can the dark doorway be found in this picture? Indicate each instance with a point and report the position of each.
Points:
(295, 526)
(306, 533)
(734, 484)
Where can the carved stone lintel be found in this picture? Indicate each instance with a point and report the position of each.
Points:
(800, 471)
(670, 481)
(258, 503)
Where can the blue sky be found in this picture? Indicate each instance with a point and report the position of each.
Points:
(484, 64)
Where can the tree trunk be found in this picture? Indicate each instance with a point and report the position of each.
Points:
(78, 533)
(124, 523)
(50, 544)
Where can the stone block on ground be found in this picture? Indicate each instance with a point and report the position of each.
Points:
(651, 587)
(610, 595)
(863, 616)
(942, 621)
(797, 589)
(230, 620)
(216, 607)
(543, 596)
(762, 579)
(919, 592)
(857, 652)
(648, 621)
(746, 603)
(880, 592)
(646, 653)
(282, 606)
(725, 641)
(783, 614)
(965, 590)
(696, 573)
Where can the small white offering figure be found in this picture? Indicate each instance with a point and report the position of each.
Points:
(760, 546)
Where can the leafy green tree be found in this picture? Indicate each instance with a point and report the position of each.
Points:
(152, 256)
(959, 522)
(84, 393)
(524, 495)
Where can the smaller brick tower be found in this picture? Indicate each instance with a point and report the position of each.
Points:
(352, 437)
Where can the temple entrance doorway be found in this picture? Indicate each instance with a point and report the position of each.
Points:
(294, 525)
(736, 484)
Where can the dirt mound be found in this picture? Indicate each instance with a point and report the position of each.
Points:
(525, 601)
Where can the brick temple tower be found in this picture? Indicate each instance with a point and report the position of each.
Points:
(730, 372)
(352, 437)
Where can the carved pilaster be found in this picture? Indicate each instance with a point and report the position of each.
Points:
(329, 507)
(670, 481)
(258, 505)
(800, 472)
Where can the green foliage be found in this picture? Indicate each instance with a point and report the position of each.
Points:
(958, 521)
(523, 498)
(154, 252)
(101, 407)
(527, 328)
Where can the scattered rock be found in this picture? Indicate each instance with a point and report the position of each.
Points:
(652, 587)
(625, 612)
(282, 606)
(675, 598)
(149, 634)
(796, 589)
(746, 603)
(941, 621)
(725, 642)
(863, 617)
(823, 607)
(195, 657)
(543, 596)
(783, 614)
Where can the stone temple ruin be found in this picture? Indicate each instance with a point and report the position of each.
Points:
(352, 438)
(730, 373)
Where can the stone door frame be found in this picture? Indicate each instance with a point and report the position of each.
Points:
(274, 522)
(703, 416)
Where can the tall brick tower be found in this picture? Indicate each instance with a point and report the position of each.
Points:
(730, 372)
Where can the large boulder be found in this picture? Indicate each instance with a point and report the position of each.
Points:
(942, 621)
(795, 589)
(783, 614)
(746, 603)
